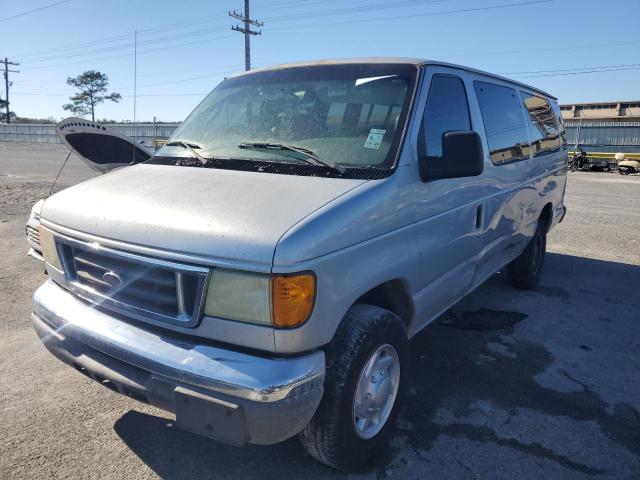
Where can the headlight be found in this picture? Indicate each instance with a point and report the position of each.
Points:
(282, 301)
(49, 250)
(239, 296)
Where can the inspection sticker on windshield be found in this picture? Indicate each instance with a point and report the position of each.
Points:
(374, 140)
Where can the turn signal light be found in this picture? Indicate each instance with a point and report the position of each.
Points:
(293, 297)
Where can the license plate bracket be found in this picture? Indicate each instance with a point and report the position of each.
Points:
(210, 417)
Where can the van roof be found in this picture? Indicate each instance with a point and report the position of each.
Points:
(398, 60)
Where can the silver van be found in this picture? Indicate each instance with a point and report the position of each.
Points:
(261, 274)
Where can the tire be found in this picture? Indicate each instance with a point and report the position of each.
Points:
(332, 437)
(623, 171)
(525, 270)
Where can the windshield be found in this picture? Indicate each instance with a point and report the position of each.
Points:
(342, 120)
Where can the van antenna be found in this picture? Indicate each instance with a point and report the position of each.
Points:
(135, 91)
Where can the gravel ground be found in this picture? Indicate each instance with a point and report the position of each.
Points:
(509, 384)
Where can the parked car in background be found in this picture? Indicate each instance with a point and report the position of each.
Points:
(261, 274)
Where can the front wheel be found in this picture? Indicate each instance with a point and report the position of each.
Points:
(365, 375)
(525, 270)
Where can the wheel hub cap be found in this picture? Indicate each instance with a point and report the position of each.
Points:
(376, 392)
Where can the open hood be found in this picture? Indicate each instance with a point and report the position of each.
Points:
(101, 147)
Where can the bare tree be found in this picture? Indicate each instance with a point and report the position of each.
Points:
(93, 88)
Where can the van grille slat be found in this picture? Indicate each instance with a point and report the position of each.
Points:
(148, 282)
(159, 277)
(128, 282)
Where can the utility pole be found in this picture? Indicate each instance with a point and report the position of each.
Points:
(6, 81)
(246, 19)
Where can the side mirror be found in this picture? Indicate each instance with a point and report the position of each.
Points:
(462, 156)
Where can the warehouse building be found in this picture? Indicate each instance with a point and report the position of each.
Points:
(604, 128)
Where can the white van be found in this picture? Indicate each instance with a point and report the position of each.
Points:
(262, 273)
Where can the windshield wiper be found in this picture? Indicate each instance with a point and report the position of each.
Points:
(307, 155)
(189, 146)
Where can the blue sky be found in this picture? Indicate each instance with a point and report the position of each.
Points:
(186, 48)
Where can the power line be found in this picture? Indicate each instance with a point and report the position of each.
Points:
(130, 54)
(149, 31)
(215, 74)
(115, 38)
(558, 70)
(34, 10)
(536, 50)
(246, 30)
(416, 15)
(359, 9)
(127, 45)
(584, 72)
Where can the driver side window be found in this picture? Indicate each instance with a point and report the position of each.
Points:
(447, 109)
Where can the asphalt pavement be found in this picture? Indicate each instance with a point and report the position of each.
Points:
(507, 385)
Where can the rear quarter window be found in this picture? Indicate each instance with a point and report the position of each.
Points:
(543, 125)
(558, 113)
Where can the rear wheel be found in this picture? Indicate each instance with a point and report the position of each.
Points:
(366, 370)
(525, 270)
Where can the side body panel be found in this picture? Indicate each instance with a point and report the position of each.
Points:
(525, 187)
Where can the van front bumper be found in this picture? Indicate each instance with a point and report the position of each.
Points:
(231, 396)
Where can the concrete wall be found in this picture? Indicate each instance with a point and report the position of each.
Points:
(46, 133)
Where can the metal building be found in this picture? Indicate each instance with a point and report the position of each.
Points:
(604, 128)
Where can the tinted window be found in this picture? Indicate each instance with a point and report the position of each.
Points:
(447, 109)
(543, 128)
(504, 122)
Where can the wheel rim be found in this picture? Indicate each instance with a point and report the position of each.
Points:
(376, 392)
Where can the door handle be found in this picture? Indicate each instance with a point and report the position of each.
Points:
(479, 216)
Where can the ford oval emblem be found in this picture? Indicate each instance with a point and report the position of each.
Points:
(112, 278)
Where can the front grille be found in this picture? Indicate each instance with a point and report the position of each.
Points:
(143, 287)
(33, 238)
